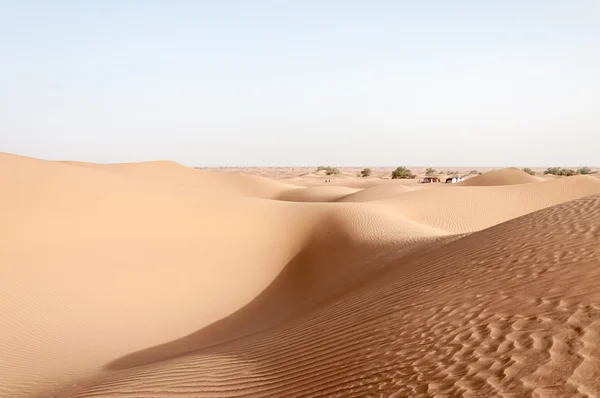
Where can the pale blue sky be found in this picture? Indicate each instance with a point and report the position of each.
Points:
(306, 82)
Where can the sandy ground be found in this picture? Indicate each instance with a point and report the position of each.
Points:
(158, 280)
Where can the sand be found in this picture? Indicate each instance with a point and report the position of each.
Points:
(157, 280)
(508, 176)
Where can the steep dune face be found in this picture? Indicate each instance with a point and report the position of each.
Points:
(155, 280)
(88, 254)
(508, 176)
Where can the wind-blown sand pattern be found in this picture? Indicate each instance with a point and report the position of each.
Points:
(156, 280)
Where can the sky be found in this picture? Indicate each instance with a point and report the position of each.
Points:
(301, 83)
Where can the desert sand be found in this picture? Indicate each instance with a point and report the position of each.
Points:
(158, 280)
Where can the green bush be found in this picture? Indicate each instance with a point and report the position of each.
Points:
(584, 170)
(529, 171)
(559, 171)
(329, 170)
(473, 172)
(402, 172)
(429, 170)
(366, 172)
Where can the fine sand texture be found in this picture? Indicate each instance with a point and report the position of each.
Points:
(157, 280)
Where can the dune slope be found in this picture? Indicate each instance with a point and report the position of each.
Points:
(459, 209)
(316, 194)
(508, 176)
(92, 260)
(512, 310)
(204, 182)
(376, 192)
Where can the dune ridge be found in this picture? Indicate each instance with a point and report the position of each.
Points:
(376, 192)
(326, 193)
(508, 176)
(201, 181)
(153, 279)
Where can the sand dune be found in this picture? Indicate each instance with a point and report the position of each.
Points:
(508, 176)
(377, 192)
(480, 316)
(458, 209)
(204, 182)
(155, 280)
(316, 194)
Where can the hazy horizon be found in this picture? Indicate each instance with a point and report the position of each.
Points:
(267, 83)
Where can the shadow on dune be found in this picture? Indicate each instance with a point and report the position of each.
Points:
(302, 284)
(319, 273)
(418, 329)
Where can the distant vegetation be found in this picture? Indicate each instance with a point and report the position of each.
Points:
(559, 171)
(429, 170)
(585, 170)
(329, 170)
(529, 171)
(366, 172)
(474, 172)
(449, 172)
(402, 172)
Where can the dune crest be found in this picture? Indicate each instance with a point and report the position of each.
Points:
(376, 192)
(152, 279)
(204, 182)
(507, 176)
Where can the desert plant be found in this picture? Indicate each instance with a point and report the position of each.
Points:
(366, 172)
(552, 170)
(429, 170)
(402, 172)
(331, 170)
(449, 172)
(559, 171)
(529, 171)
(584, 170)
(474, 172)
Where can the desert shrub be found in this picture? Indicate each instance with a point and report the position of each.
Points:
(429, 170)
(473, 172)
(584, 170)
(529, 171)
(331, 170)
(402, 172)
(449, 172)
(366, 172)
(559, 171)
(552, 170)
